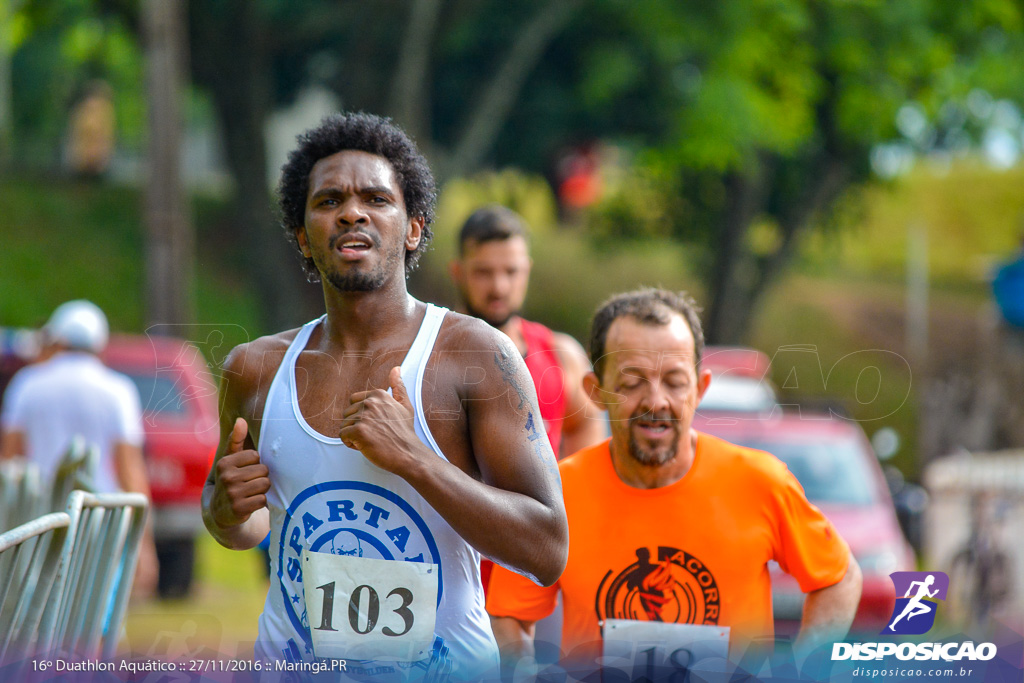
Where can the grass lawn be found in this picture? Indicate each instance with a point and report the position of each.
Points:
(219, 618)
(66, 239)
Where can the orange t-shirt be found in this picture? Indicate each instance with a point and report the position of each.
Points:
(695, 551)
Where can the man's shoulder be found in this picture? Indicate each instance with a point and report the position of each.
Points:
(533, 327)
(569, 351)
(15, 389)
(23, 375)
(468, 334)
(579, 468)
(739, 459)
(261, 347)
(559, 341)
(565, 343)
(56, 370)
(251, 360)
(120, 383)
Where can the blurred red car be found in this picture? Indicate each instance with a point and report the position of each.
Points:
(179, 406)
(740, 387)
(833, 460)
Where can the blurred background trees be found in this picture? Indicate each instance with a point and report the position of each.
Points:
(711, 145)
(747, 122)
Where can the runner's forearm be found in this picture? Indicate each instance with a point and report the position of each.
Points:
(242, 536)
(515, 645)
(512, 529)
(828, 612)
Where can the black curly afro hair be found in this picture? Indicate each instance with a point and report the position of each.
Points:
(366, 133)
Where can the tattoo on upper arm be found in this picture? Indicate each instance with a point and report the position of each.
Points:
(505, 364)
(537, 439)
(531, 430)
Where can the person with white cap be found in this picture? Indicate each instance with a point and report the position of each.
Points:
(73, 394)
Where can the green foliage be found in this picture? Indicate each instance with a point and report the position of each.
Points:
(565, 262)
(571, 277)
(776, 107)
(528, 195)
(56, 49)
(634, 208)
(68, 240)
(973, 216)
(14, 30)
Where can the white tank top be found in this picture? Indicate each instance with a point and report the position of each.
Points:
(323, 493)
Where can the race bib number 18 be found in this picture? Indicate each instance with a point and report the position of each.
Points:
(361, 608)
(659, 651)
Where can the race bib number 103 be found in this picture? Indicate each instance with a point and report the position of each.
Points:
(360, 608)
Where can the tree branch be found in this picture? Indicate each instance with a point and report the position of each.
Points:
(496, 102)
(730, 285)
(407, 103)
(831, 177)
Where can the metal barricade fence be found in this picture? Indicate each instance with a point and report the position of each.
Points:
(33, 561)
(75, 472)
(21, 493)
(107, 531)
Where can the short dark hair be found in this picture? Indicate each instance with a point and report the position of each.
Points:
(648, 306)
(491, 223)
(365, 133)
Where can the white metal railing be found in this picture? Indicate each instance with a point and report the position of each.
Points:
(33, 561)
(108, 532)
(65, 577)
(25, 496)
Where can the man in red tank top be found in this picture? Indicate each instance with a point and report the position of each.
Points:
(492, 274)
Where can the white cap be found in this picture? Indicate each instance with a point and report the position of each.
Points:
(79, 324)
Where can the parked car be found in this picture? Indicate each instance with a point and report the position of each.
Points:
(179, 402)
(833, 460)
(179, 411)
(740, 386)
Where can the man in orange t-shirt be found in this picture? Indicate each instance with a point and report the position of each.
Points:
(667, 524)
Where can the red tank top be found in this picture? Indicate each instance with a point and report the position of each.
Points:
(546, 371)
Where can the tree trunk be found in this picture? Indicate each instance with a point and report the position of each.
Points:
(170, 240)
(408, 102)
(732, 277)
(6, 94)
(739, 280)
(241, 92)
(494, 105)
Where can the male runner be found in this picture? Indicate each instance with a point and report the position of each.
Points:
(492, 274)
(72, 394)
(388, 420)
(668, 524)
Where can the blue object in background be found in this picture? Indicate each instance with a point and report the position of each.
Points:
(1008, 287)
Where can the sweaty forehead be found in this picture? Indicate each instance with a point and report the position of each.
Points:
(352, 170)
(631, 342)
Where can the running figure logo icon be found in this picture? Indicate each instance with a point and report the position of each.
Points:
(914, 613)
